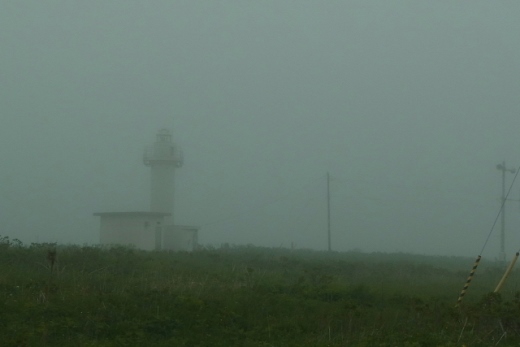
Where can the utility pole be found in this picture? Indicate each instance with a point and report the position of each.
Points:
(328, 210)
(502, 167)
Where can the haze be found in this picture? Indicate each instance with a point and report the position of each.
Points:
(410, 105)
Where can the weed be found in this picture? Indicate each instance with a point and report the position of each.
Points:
(246, 296)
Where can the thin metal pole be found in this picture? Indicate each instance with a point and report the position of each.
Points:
(328, 211)
(502, 167)
(503, 220)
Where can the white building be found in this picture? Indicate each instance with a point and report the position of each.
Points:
(154, 230)
(163, 158)
(139, 229)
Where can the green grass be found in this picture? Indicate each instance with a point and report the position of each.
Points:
(249, 296)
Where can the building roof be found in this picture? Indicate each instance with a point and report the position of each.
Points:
(132, 214)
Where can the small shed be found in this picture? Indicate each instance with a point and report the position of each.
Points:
(145, 230)
(139, 229)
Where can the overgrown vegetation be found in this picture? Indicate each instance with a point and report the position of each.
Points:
(247, 296)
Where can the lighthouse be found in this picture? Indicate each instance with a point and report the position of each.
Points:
(153, 229)
(163, 158)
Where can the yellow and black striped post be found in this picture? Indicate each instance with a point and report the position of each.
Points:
(468, 281)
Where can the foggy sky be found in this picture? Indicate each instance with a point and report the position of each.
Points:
(408, 104)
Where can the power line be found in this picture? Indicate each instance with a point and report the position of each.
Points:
(499, 213)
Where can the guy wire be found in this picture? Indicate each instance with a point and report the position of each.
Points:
(499, 211)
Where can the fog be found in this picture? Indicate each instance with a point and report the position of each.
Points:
(410, 105)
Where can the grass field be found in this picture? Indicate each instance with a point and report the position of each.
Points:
(249, 296)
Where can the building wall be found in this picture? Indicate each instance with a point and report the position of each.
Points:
(138, 231)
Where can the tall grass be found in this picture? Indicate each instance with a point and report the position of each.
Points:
(248, 296)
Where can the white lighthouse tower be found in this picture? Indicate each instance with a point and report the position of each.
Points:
(163, 158)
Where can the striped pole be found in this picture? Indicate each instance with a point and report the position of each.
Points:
(509, 268)
(468, 281)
